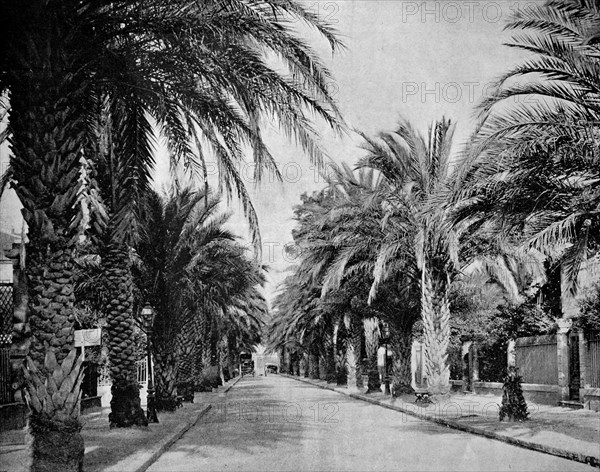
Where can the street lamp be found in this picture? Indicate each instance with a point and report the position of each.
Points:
(148, 321)
(386, 338)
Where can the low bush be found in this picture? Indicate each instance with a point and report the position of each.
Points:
(209, 379)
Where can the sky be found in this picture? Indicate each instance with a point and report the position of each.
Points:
(419, 60)
(415, 60)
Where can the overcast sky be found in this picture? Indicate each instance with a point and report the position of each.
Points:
(418, 60)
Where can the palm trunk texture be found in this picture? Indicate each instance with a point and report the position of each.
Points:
(353, 348)
(54, 394)
(340, 342)
(46, 120)
(435, 312)
(125, 405)
(371, 327)
(313, 362)
(185, 370)
(165, 377)
(401, 345)
(330, 351)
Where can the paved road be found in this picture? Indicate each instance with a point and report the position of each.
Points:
(276, 423)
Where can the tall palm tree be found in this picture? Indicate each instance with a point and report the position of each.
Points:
(532, 170)
(176, 233)
(415, 169)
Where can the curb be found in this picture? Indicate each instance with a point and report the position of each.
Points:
(178, 434)
(171, 440)
(554, 451)
(239, 377)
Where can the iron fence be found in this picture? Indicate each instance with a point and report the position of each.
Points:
(142, 371)
(6, 308)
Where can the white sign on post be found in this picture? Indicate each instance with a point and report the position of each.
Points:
(88, 337)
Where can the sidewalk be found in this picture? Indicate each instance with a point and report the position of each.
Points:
(563, 432)
(117, 450)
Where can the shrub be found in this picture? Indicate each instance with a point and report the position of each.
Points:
(186, 390)
(513, 402)
(589, 316)
(209, 379)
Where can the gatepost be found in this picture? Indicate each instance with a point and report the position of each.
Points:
(562, 352)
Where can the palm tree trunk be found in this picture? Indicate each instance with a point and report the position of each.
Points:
(313, 362)
(284, 356)
(222, 358)
(54, 394)
(322, 367)
(200, 347)
(401, 345)
(165, 377)
(304, 367)
(325, 356)
(45, 118)
(353, 350)
(295, 363)
(233, 355)
(125, 404)
(371, 326)
(185, 374)
(50, 281)
(330, 353)
(435, 313)
(340, 341)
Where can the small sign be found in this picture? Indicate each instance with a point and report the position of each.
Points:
(88, 337)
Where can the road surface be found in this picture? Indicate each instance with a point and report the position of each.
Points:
(279, 424)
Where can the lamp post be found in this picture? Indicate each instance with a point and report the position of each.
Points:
(386, 378)
(148, 320)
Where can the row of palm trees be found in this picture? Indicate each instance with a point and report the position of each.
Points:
(90, 84)
(386, 242)
(205, 286)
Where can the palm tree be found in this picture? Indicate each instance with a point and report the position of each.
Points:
(416, 169)
(204, 283)
(229, 283)
(176, 231)
(531, 171)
